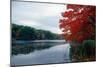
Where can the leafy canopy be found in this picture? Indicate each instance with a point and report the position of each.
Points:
(78, 22)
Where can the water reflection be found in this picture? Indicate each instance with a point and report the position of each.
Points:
(25, 48)
(54, 54)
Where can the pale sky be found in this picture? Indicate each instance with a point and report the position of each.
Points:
(38, 15)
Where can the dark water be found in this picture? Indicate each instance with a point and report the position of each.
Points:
(58, 53)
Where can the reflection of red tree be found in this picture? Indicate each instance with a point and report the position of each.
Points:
(78, 22)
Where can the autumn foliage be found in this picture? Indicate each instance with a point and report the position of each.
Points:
(78, 22)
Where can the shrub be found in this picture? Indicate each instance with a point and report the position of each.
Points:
(84, 52)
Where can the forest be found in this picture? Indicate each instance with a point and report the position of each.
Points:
(20, 32)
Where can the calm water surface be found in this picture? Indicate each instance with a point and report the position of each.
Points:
(58, 53)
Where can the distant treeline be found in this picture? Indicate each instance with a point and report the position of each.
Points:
(20, 32)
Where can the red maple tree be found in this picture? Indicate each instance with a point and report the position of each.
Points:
(78, 22)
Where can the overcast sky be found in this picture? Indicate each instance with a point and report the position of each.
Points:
(38, 15)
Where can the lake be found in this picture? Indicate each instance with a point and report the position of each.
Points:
(57, 53)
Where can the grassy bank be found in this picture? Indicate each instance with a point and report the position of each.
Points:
(85, 51)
